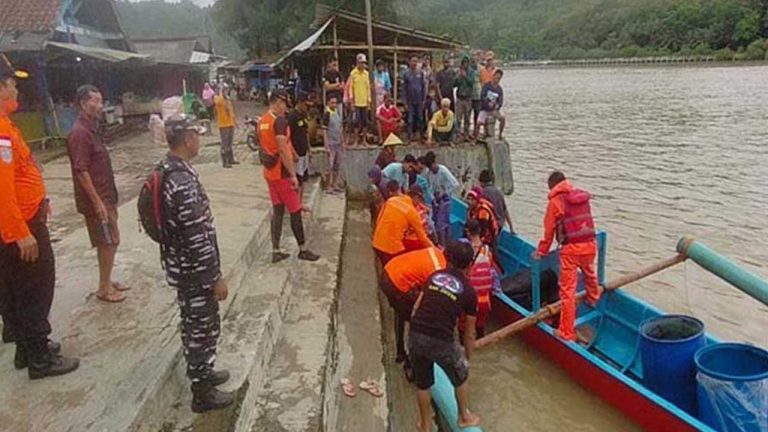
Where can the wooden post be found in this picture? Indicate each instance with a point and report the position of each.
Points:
(335, 41)
(395, 75)
(371, 62)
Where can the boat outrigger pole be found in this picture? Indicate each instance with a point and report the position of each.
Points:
(687, 247)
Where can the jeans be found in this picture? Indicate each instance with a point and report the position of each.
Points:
(415, 118)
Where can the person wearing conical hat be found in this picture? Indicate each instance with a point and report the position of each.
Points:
(387, 154)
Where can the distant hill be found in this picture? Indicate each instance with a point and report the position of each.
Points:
(599, 28)
(156, 18)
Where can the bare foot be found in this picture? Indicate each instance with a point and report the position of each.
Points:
(110, 297)
(469, 419)
(120, 287)
(305, 209)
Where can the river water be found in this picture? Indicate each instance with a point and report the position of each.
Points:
(666, 151)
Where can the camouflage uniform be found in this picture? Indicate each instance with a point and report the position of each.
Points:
(191, 259)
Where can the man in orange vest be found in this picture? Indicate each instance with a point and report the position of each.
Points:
(279, 161)
(396, 218)
(403, 278)
(27, 267)
(569, 219)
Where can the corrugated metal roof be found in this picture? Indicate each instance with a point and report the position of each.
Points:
(103, 54)
(200, 57)
(304, 45)
(172, 51)
(29, 15)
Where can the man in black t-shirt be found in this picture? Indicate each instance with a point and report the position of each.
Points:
(447, 295)
(333, 83)
(297, 121)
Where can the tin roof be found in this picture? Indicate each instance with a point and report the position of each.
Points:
(29, 15)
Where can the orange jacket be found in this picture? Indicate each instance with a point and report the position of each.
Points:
(412, 269)
(555, 212)
(396, 216)
(21, 185)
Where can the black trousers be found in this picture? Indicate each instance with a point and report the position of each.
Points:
(26, 289)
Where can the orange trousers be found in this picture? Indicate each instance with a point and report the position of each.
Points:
(569, 264)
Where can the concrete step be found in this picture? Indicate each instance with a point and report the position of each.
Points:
(251, 327)
(293, 396)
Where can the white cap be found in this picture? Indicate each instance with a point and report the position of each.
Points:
(361, 58)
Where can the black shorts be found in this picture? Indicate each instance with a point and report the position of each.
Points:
(424, 351)
(360, 117)
(401, 302)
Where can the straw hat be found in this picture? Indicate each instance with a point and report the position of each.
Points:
(392, 140)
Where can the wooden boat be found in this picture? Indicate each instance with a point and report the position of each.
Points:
(608, 365)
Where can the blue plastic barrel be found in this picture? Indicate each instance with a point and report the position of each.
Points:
(667, 346)
(733, 387)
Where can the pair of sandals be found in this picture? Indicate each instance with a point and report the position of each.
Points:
(369, 385)
(115, 296)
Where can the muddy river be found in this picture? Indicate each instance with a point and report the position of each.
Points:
(665, 151)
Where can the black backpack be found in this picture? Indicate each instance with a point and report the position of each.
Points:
(150, 203)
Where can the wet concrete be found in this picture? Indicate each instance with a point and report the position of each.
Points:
(358, 335)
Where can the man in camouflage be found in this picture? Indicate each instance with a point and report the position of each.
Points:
(190, 256)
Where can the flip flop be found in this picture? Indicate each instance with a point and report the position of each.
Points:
(120, 287)
(348, 387)
(372, 387)
(111, 298)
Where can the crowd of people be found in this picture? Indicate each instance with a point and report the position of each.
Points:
(440, 278)
(451, 105)
(436, 276)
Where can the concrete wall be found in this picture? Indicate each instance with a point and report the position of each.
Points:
(465, 161)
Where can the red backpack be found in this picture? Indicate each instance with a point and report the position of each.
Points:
(576, 225)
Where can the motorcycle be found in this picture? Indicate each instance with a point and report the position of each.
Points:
(252, 139)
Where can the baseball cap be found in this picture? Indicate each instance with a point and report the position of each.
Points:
(8, 71)
(280, 94)
(182, 123)
(361, 58)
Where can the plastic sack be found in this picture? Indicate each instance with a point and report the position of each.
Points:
(733, 406)
(172, 106)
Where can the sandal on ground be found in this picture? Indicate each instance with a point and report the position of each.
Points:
(348, 387)
(120, 287)
(474, 422)
(372, 387)
(114, 297)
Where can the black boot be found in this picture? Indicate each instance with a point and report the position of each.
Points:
(225, 160)
(20, 360)
(206, 397)
(218, 378)
(42, 362)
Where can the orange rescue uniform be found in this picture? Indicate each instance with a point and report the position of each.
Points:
(395, 218)
(268, 140)
(412, 269)
(573, 257)
(21, 184)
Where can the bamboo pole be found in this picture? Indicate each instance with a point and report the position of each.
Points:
(553, 309)
(335, 41)
(396, 72)
(371, 62)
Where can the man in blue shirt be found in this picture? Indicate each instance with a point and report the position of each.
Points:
(444, 185)
(382, 81)
(492, 99)
(399, 171)
(414, 94)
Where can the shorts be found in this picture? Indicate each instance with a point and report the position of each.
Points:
(334, 158)
(281, 193)
(401, 302)
(485, 115)
(384, 257)
(102, 234)
(424, 351)
(360, 117)
(302, 167)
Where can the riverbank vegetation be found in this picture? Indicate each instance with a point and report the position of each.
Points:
(577, 29)
(515, 29)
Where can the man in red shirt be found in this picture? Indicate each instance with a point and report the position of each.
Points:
(27, 265)
(95, 190)
(389, 118)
